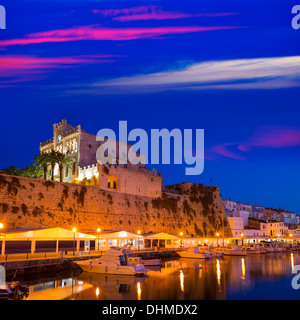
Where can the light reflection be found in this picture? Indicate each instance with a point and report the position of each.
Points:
(292, 261)
(218, 272)
(181, 281)
(97, 292)
(243, 268)
(139, 291)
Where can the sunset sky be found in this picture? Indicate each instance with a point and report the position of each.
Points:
(231, 68)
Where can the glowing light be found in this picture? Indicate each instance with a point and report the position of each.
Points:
(123, 234)
(217, 234)
(139, 232)
(1, 226)
(181, 276)
(97, 292)
(292, 261)
(181, 234)
(74, 229)
(139, 291)
(243, 268)
(218, 272)
(290, 235)
(99, 230)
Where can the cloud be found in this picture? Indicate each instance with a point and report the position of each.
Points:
(275, 137)
(20, 68)
(100, 33)
(256, 73)
(267, 137)
(152, 13)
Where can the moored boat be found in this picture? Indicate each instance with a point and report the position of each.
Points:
(255, 249)
(137, 260)
(194, 253)
(233, 250)
(114, 261)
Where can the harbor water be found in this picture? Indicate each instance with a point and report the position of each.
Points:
(261, 276)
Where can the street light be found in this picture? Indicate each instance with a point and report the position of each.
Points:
(181, 245)
(242, 235)
(98, 230)
(138, 240)
(1, 226)
(74, 230)
(217, 235)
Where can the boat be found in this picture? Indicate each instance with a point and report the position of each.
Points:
(13, 291)
(255, 249)
(233, 250)
(212, 252)
(113, 261)
(137, 260)
(268, 247)
(194, 253)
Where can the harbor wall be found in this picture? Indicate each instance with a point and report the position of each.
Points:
(193, 209)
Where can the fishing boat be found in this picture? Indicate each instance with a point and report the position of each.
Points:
(233, 250)
(114, 261)
(194, 253)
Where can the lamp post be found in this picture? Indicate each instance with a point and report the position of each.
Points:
(181, 242)
(242, 235)
(138, 240)
(217, 235)
(98, 230)
(74, 231)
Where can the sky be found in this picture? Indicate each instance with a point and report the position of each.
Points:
(230, 67)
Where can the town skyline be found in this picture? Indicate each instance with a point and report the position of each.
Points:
(230, 69)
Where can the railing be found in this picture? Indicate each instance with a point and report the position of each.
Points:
(47, 255)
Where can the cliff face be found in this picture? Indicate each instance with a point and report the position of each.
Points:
(193, 209)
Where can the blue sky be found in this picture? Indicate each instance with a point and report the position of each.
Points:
(228, 67)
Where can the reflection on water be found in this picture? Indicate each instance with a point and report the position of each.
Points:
(266, 276)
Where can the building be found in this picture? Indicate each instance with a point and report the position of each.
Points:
(236, 225)
(268, 228)
(82, 148)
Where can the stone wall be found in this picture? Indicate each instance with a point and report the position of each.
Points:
(26, 202)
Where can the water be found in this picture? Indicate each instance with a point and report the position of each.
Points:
(266, 276)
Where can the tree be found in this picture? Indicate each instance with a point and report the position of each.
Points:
(63, 161)
(12, 170)
(43, 160)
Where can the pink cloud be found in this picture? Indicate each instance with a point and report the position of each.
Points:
(276, 137)
(28, 68)
(223, 151)
(98, 33)
(152, 13)
(268, 137)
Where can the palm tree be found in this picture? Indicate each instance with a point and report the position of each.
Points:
(43, 160)
(63, 161)
(12, 170)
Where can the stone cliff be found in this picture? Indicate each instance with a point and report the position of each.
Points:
(194, 209)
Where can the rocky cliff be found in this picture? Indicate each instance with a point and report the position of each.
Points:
(193, 209)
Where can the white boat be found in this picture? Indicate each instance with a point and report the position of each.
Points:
(269, 247)
(255, 249)
(114, 261)
(233, 250)
(211, 252)
(137, 260)
(194, 253)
